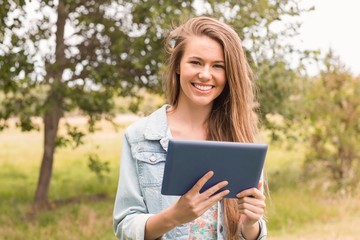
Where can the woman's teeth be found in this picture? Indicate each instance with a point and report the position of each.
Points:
(202, 87)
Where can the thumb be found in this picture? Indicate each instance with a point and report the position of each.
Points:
(260, 185)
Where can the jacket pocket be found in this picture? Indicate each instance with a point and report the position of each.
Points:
(151, 168)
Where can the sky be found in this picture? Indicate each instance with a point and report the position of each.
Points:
(334, 24)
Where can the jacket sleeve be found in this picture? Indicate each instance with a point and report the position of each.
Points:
(263, 231)
(130, 211)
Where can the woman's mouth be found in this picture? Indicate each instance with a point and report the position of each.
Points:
(202, 87)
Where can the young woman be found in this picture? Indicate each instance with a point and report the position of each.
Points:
(211, 97)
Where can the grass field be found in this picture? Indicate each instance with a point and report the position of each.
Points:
(82, 205)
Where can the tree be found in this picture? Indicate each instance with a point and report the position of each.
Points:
(332, 114)
(57, 56)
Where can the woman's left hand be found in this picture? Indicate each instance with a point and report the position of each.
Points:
(251, 205)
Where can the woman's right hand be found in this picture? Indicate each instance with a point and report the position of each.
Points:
(189, 207)
(193, 203)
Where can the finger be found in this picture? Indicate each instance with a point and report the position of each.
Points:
(255, 208)
(260, 185)
(213, 195)
(209, 192)
(251, 192)
(216, 197)
(251, 215)
(252, 201)
(201, 182)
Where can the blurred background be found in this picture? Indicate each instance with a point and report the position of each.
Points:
(74, 74)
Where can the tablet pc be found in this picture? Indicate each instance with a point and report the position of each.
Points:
(187, 161)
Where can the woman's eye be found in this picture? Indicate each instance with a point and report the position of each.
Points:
(195, 62)
(219, 66)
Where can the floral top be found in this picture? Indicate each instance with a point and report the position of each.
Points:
(205, 227)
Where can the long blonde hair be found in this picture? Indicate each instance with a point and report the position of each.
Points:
(233, 117)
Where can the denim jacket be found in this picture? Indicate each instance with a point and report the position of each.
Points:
(139, 190)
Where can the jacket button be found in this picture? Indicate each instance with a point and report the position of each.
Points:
(152, 158)
(221, 229)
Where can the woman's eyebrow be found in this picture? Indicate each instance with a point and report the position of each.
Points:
(199, 58)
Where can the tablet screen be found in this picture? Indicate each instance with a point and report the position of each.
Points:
(187, 161)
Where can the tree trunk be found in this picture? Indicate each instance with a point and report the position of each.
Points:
(51, 124)
(53, 111)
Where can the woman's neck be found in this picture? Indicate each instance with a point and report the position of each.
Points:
(188, 122)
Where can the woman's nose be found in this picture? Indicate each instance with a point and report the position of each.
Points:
(205, 74)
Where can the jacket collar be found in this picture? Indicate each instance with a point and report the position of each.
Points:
(157, 128)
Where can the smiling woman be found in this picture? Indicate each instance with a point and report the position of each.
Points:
(211, 97)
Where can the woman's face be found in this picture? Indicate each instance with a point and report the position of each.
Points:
(202, 72)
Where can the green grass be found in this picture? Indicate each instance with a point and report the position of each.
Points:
(82, 205)
(295, 205)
